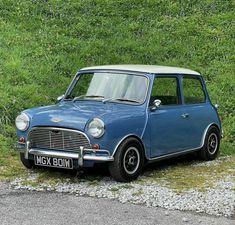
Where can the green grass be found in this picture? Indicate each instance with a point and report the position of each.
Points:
(114, 189)
(179, 176)
(44, 43)
(138, 193)
(187, 175)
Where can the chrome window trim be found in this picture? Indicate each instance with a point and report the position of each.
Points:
(177, 77)
(131, 73)
(202, 87)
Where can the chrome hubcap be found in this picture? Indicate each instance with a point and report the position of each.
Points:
(212, 143)
(131, 160)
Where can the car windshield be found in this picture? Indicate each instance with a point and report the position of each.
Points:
(109, 87)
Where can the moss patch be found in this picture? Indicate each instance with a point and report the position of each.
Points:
(138, 193)
(114, 189)
(197, 175)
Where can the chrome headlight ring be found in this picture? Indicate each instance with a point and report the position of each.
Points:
(96, 128)
(22, 122)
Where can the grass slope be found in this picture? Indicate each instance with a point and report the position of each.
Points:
(43, 43)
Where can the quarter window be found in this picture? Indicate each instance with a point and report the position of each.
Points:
(166, 89)
(193, 91)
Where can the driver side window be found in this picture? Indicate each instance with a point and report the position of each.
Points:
(167, 90)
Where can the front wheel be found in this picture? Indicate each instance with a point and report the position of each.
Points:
(211, 145)
(26, 162)
(128, 161)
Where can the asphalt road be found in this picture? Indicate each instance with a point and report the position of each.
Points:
(23, 207)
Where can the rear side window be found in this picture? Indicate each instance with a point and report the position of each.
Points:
(166, 89)
(193, 91)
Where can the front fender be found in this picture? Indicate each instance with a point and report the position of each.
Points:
(120, 126)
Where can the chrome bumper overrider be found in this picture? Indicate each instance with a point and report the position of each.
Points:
(83, 154)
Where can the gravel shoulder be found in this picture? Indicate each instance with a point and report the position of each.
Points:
(212, 189)
(28, 207)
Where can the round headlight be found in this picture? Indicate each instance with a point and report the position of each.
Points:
(22, 122)
(96, 128)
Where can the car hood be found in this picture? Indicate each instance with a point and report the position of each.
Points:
(75, 115)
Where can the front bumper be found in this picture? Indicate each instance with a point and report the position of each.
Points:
(84, 154)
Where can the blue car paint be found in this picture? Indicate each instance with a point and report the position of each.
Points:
(159, 136)
(166, 130)
(76, 115)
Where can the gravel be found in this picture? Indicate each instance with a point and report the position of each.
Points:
(218, 200)
(24, 207)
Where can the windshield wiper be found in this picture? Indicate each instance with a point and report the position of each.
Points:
(94, 96)
(78, 97)
(87, 96)
(125, 100)
(120, 99)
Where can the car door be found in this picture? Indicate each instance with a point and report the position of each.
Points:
(166, 124)
(197, 108)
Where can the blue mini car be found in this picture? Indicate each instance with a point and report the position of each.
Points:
(123, 115)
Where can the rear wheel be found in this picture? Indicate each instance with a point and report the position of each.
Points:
(26, 162)
(211, 145)
(128, 161)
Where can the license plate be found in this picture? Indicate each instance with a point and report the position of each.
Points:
(53, 162)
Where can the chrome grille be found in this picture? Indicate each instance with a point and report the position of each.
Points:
(57, 139)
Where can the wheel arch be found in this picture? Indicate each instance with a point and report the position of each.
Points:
(215, 125)
(125, 138)
(205, 152)
(206, 131)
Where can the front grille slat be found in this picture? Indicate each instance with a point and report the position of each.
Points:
(57, 139)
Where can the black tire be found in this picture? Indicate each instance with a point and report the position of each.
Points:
(128, 161)
(26, 162)
(211, 146)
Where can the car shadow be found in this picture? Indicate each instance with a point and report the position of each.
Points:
(100, 171)
(166, 163)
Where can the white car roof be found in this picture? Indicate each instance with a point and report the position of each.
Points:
(145, 69)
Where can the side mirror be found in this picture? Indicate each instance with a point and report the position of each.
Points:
(59, 98)
(156, 104)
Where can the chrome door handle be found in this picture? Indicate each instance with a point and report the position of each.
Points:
(185, 115)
